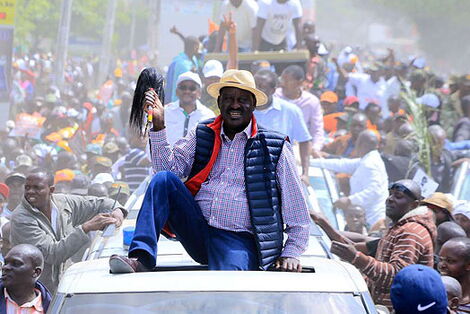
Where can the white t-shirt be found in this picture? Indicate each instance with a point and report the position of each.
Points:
(245, 18)
(278, 17)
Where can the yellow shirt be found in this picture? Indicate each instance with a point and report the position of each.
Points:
(33, 307)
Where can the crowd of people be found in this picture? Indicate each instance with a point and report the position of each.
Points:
(70, 160)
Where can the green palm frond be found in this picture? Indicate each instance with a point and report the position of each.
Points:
(419, 123)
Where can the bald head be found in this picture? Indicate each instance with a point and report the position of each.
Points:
(405, 130)
(366, 142)
(437, 131)
(358, 124)
(453, 287)
(30, 252)
(446, 231)
(22, 268)
(451, 229)
(461, 246)
(438, 136)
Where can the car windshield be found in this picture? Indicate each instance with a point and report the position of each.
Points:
(213, 302)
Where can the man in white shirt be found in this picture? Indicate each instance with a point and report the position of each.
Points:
(366, 86)
(244, 15)
(272, 25)
(184, 114)
(369, 180)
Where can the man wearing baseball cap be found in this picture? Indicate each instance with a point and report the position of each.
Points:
(15, 182)
(418, 289)
(185, 113)
(240, 178)
(212, 72)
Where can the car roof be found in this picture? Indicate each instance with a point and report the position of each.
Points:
(103, 247)
(329, 276)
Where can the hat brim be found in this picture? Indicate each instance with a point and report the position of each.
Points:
(214, 91)
(434, 203)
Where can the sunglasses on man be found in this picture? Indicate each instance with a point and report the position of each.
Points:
(191, 88)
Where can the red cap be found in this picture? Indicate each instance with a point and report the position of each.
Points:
(348, 101)
(4, 190)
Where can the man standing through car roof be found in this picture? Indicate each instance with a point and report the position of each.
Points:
(242, 188)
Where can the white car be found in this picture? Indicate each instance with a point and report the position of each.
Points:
(461, 184)
(180, 285)
(328, 286)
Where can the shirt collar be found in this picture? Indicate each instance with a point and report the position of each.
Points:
(176, 105)
(247, 130)
(275, 104)
(36, 302)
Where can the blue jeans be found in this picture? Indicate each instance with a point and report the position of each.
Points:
(168, 200)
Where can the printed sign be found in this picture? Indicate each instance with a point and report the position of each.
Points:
(427, 184)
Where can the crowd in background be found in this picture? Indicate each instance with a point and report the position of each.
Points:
(348, 111)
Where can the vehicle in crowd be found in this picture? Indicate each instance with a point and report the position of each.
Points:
(461, 185)
(325, 286)
(322, 193)
(180, 285)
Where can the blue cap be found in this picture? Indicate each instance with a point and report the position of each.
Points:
(418, 289)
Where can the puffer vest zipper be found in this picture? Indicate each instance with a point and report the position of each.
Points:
(262, 154)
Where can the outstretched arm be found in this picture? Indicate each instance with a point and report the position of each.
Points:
(175, 31)
(232, 43)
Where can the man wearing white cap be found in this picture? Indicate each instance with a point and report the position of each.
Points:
(184, 114)
(212, 71)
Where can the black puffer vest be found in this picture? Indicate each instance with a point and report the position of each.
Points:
(262, 154)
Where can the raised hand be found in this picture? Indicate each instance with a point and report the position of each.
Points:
(154, 107)
(229, 24)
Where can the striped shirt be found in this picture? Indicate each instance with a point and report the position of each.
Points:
(222, 197)
(463, 308)
(133, 173)
(409, 241)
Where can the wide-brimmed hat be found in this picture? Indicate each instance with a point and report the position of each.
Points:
(440, 200)
(240, 79)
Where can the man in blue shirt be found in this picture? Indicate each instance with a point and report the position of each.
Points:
(184, 62)
(284, 117)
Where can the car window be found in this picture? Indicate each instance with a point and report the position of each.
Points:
(319, 195)
(213, 302)
(465, 190)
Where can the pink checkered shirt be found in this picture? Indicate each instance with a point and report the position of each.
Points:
(222, 197)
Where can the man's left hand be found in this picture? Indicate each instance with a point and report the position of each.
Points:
(342, 203)
(117, 214)
(346, 252)
(288, 264)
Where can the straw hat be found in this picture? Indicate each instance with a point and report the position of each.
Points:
(440, 200)
(240, 79)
